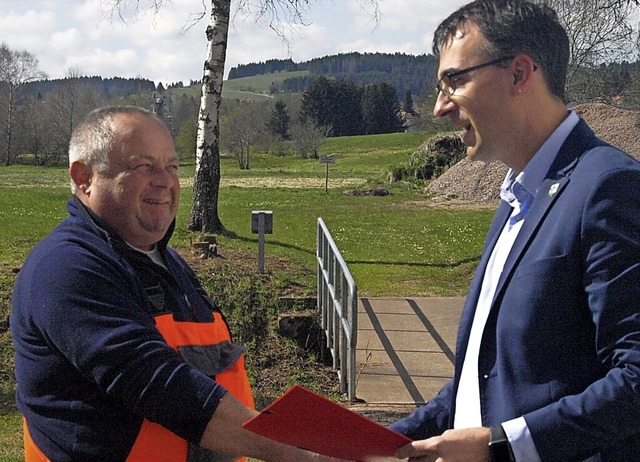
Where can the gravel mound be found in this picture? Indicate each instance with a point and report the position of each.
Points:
(480, 182)
(619, 127)
(473, 181)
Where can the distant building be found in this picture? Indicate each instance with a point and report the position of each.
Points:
(161, 110)
(411, 122)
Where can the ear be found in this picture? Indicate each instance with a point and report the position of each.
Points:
(523, 69)
(81, 174)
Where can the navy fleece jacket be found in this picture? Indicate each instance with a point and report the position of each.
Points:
(90, 364)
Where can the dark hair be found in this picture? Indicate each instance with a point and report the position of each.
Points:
(512, 27)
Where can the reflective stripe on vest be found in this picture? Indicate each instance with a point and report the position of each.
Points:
(155, 443)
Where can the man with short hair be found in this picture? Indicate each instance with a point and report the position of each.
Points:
(120, 354)
(548, 351)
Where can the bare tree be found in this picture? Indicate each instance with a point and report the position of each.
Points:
(38, 132)
(307, 138)
(68, 103)
(242, 129)
(616, 3)
(16, 69)
(600, 31)
(204, 213)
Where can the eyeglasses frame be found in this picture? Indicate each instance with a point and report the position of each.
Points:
(449, 75)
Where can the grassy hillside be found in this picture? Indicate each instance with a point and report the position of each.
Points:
(254, 88)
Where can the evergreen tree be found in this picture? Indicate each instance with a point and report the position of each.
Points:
(279, 121)
(335, 104)
(381, 109)
(347, 109)
(317, 102)
(186, 139)
(407, 104)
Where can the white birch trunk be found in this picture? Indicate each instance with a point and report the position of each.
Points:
(204, 213)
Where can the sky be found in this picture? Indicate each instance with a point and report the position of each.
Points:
(80, 36)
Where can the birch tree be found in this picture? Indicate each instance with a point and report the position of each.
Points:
(206, 186)
(204, 213)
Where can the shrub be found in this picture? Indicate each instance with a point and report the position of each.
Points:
(249, 301)
(431, 160)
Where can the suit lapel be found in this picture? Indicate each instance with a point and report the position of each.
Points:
(548, 193)
(580, 140)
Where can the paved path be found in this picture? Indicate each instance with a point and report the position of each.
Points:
(405, 348)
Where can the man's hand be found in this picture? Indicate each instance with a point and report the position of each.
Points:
(225, 435)
(465, 445)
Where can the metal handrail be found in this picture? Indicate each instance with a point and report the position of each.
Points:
(338, 306)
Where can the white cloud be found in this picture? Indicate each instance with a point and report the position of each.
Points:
(78, 33)
(122, 62)
(68, 40)
(27, 30)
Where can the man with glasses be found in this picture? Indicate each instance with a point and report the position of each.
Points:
(548, 350)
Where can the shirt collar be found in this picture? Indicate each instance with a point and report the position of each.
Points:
(524, 187)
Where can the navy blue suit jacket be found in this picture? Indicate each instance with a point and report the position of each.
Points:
(561, 346)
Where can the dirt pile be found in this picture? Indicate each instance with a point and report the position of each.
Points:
(480, 182)
(470, 181)
(616, 126)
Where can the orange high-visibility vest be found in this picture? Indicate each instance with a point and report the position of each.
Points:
(154, 442)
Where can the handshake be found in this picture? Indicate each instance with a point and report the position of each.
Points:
(307, 420)
(310, 421)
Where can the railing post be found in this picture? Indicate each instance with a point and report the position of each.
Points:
(338, 305)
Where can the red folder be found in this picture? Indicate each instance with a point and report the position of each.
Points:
(307, 420)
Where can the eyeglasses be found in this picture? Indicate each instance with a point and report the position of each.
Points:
(447, 85)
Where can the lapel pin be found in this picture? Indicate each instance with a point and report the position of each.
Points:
(553, 189)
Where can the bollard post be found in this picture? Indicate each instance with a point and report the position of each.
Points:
(261, 224)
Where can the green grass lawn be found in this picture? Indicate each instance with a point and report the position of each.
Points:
(404, 244)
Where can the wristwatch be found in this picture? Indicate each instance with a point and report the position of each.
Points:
(499, 446)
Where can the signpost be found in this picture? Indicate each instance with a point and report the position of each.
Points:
(261, 224)
(331, 159)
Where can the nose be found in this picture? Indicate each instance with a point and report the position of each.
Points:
(443, 105)
(162, 177)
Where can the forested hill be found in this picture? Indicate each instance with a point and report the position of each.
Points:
(104, 87)
(405, 72)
